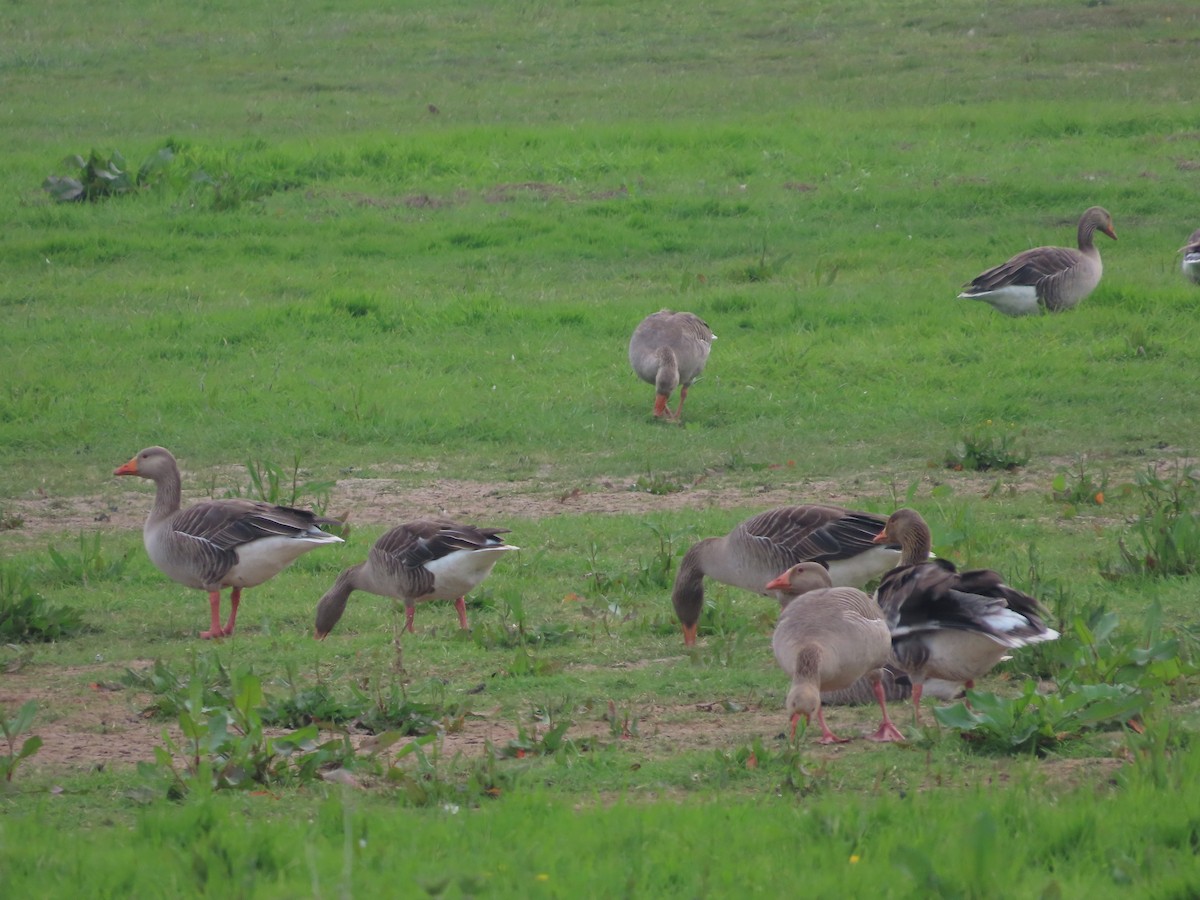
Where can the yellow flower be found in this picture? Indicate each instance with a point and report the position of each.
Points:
(542, 876)
(854, 857)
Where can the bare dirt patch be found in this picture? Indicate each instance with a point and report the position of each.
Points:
(386, 498)
(88, 719)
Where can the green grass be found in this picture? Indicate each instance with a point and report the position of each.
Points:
(332, 271)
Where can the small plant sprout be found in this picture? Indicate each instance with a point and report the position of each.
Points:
(1077, 485)
(13, 728)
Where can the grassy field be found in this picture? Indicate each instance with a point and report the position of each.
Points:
(401, 253)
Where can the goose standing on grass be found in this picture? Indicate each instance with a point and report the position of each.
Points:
(670, 349)
(764, 545)
(896, 683)
(826, 639)
(948, 624)
(1046, 278)
(418, 561)
(217, 544)
(1191, 257)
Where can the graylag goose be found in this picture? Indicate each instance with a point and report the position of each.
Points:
(826, 639)
(896, 684)
(1046, 278)
(670, 349)
(217, 544)
(764, 545)
(948, 624)
(418, 561)
(1191, 257)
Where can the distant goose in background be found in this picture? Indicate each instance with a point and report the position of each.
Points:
(1046, 278)
(668, 350)
(427, 559)
(215, 544)
(764, 545)
(827, 638)
(1191, 257)
(948, 624)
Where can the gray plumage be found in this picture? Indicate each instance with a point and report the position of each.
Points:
(668, 350)
(947, 624)
(215, 544)
(764, 545)
(427, 559)
(1191, 257)
(827, 638)
(1046, 278)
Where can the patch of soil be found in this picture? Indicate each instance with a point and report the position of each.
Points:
(88, 720)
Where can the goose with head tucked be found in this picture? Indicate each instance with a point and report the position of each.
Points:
(1191, 258)
(670, 349)
(428, 559)
(217, 544)
(827, 638)
(947, 624)
(1049, 279)
(764, 545)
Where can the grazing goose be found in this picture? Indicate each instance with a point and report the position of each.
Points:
(422, 560)
(948, 624)
(216, 544)
(766, 544)
(826, 639)
(896, 684)
(1046, 278)
(670, 349)
(1191, 257)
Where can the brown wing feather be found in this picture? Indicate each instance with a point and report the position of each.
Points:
(1028, 269)
(404, 550)
(227, 524)
(820, 533)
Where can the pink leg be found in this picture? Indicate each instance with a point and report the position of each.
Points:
(682, 397)
(917, 688)
(461, 605)
(214, 602)
(795, 722)
(827, 736)
(235, 598)
(887, 731)
(408, 617)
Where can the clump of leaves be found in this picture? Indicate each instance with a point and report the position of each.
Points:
(26, 616)
(98, 177)
(308, 705)
(984, 449)
(172, 691)
(1076, 486)
(89, 565)
(13, 728)
(1115, 679)
(544, 737)
(1033, 722)
(657, 484)
(224, 747)
(1164, 539)
(392, 709)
